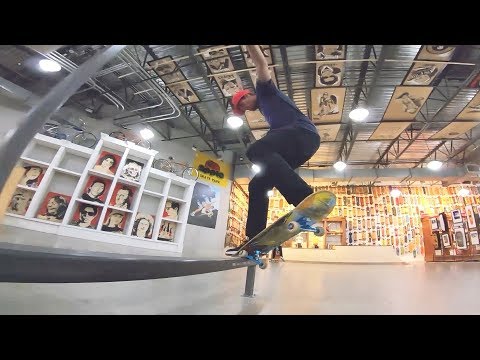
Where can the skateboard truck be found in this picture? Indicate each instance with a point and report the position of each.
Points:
(304, 225)
(255, 257)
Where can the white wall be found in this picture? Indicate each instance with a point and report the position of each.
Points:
(11, 113)
(199, 241)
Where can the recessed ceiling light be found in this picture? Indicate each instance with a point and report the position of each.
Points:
(48, 65)
(234, 122)
(147, 133)
(340, 165)
(358, 114)
(434, 165)
(395, 193)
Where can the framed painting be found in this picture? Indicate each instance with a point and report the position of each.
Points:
(454, 130)
(472, 110)
(470, 217)
(328, 74)
(213, 52)
(446, 240)
(167, 69)
(389, 130)
(256, 120)
(436, 52)
(328, 132)
(459, 236)
(328, 52)
(406, 102)
(423, 73)
(327, 104)
(184, 93)
(229, 84)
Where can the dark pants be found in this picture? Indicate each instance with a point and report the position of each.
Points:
(278, 154)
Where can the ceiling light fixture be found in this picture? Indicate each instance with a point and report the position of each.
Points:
(434, 165)
(48, 65)
(358, 114)
(395, 193)
(256, 169)
(340, 165)
(235, 122)
(147, 133)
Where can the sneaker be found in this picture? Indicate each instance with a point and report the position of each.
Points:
(233, 251)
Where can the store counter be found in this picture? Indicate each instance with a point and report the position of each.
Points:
(345, 254)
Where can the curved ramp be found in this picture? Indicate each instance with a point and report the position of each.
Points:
(35, 264)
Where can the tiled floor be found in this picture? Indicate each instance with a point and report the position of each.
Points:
(283, 288)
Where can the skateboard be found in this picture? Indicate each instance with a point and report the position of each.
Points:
(312, 210)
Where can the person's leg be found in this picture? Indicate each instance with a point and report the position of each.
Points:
(278, 154)
(257, 204)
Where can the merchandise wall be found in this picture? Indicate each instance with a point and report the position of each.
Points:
(108, 194)
(364, 215)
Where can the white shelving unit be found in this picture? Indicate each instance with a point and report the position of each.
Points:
(68, 173)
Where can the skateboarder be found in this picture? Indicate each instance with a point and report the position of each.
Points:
(290, 142)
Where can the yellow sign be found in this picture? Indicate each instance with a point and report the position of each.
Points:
(212, 170)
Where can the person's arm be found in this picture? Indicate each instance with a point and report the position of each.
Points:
(261, 65)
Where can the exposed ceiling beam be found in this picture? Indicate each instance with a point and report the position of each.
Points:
(351, 133)
(286, 69)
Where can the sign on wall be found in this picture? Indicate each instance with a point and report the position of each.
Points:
(211, 170)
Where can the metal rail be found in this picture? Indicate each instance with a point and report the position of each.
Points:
(35, 264)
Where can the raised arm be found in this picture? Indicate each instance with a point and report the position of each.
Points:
(261, 65)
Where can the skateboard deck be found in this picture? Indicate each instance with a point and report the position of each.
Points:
(312, 210)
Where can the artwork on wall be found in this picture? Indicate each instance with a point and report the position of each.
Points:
(453, 130)
(96, 189)
(132, 170)
(436, 52)
(122, 196)
(470, 217)
(328, 132)
(446, 240)
(184, 93)
(107, 163)
(389, 130)
(328, 52)
(229, 84)
(456, 216)
(20, 201)
(167, 231)
(54, 207)
(327, 104)
(32, 177)
(423, 73)
(471, 110)
(474, 238)
(328, 74)
(406, 102)
(442, 222)
(143, 225)
(114, 221)
(204, 207)
(167, 69)
(171, 210)
(86, 216)
(256, 120)
(459, 237)
(172, 75)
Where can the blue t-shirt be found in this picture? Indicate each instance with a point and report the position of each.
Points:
(279, 110)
